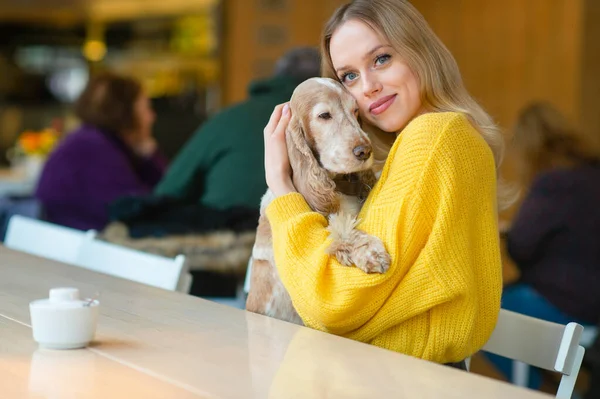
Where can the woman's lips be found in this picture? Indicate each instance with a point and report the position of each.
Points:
(382, 104)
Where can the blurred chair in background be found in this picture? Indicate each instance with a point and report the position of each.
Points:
(150, 269)
(44, 239)
(532, 341)
(82, 249)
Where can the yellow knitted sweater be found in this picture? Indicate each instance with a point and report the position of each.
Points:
(434, 207)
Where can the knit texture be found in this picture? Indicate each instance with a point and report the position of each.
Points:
(434, 207)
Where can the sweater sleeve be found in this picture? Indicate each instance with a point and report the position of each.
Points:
(426, 232)
(327, 295)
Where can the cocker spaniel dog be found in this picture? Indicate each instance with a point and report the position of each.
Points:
(325, 144)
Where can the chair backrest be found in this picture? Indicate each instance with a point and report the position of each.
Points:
(185, 282)
(45, 239)
(130, 264)
(539, 343)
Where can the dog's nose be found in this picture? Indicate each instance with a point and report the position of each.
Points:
(362, 152)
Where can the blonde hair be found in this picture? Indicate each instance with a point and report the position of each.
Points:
(544, 139)
(442, 88)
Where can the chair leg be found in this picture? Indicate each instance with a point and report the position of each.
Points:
(520, 373)
(567, 382)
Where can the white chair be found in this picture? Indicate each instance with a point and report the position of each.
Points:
(127, 263)
(521, 370)
(185, 283)
(45, 239)
(540, 343)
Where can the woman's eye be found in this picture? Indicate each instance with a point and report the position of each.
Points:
(382, 59)
(348, 77)
(356, 111)
(325, 115)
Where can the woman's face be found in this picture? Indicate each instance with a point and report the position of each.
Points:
(144, 115)
(386, 89)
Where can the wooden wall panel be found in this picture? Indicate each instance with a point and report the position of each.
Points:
(238, 48)
(512, 52)
(590, 70)
(245, 23)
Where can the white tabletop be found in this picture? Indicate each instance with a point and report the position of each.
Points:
(29, 372)
(156, 343)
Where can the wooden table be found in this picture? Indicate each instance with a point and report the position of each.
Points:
(153, 343)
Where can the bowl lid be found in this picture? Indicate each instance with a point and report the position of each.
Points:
(64, 297)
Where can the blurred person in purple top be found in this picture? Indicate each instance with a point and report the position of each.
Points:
(554, 238)
(111, 155)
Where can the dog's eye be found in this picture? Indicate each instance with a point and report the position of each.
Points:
(325, 115)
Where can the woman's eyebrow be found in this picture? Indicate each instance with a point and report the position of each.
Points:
(380, 46)
(367, 55)
(342, 69)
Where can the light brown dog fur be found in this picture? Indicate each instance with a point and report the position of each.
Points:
(325, 141)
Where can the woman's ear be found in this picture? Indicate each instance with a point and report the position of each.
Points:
(310, 179)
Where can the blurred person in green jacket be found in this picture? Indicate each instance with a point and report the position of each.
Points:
(222, 165)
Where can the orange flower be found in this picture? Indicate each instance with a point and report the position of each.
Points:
(37, 143)
(47, 140)
(29, 142)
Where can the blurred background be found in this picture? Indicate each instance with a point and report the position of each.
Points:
(196, 56)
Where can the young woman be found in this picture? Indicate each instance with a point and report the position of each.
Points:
(112, 154)
(435, 204)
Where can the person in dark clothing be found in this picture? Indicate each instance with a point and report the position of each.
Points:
(553, 239)
(592, 362)
(111, 155)
(222, 165)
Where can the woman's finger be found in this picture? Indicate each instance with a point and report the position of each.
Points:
(273, 120)
(283, 122)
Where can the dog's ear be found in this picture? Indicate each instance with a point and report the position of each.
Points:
(310, 179)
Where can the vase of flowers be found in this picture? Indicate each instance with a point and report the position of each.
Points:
(31, 150)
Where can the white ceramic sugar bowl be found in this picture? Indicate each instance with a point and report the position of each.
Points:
(63, 321)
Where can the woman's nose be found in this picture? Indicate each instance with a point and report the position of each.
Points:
(370, 86)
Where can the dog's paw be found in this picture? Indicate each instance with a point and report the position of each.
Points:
(371, 257)
(342, 251)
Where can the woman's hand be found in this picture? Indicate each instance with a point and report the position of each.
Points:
(146, 147)
(278, 171)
